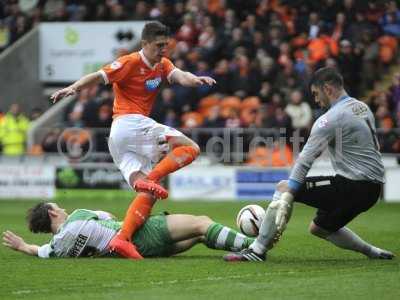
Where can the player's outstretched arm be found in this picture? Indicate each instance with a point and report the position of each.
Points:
(15, 242)
(84, 82)
(190, 80)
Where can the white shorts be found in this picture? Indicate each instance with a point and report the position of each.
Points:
(137, 143)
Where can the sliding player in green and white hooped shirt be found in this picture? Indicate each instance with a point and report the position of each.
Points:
(86, 233)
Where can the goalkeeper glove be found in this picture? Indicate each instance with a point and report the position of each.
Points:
(284, 211)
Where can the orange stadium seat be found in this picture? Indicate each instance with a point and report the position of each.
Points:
(262, 156)
(250, 103)
(192, 119)
(228, 104)
(206, 103)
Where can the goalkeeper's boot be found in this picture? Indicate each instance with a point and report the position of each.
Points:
(149, 186)
(244, 255)
(378, 253)
(124, 248)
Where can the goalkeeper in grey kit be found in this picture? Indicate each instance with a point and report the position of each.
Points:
(347, 130)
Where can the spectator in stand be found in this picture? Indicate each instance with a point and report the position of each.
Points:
(390, 21)
(74, 113)
(188, 33)
(374, 11)
(370, 59)
(4, 35)
(328, 12)
(141, 11)
(288, 80)
(265, 92)
(203, 69)
(360, 24)
(237, 40)
(315, 25)
(267, 67)
(171, 119)
(349, 63)
(165, 102)
(214, 119)
(387, 138)
(103, 122)
(229, 23)
(223, 76)
(91, 107)
(276, 117)
(299, 112)
(13, 128)
(233, 120)
(17, 22)
(395, 94)
(241, 82)
(184, 99)
(340, 30)
(349, 9)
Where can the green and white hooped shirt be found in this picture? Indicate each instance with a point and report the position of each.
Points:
(85, 233)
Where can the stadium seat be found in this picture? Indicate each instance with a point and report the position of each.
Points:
(192, 119)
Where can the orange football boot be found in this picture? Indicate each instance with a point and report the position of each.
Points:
(149, 186)
(124, 248)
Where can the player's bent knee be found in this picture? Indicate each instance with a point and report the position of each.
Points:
(202, 224)
(196, 148)
(135, 176)
(282, 186)
(317, 231)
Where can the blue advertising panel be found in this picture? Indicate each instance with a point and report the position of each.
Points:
(258, 184)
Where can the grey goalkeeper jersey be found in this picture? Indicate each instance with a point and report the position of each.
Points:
(348, 130)
(84, 233)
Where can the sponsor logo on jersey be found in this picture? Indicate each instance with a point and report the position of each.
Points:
(359, 109)
(323, 121)
(78, 246)
(116, 65)
(153, 84)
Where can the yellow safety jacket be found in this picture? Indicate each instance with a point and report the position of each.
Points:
(13, 132)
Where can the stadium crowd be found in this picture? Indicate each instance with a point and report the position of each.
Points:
(261, 52)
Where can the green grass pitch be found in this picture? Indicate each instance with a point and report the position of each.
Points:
(300, 267)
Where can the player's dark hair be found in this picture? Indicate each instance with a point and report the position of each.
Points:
(327, 75)
(38, 218)
(154, 29)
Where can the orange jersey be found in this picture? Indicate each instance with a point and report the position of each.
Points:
(135, 82)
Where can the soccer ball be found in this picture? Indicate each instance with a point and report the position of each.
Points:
(249, 219)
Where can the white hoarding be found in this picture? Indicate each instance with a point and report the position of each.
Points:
(208, 183)
(392, 188)
(18, 181)
(72, 49)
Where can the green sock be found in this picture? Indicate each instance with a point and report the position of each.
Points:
(221, 237)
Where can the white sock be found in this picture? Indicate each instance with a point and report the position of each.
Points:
(257, 247)
(347, 239)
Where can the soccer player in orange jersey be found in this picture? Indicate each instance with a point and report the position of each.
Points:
(137, 143)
